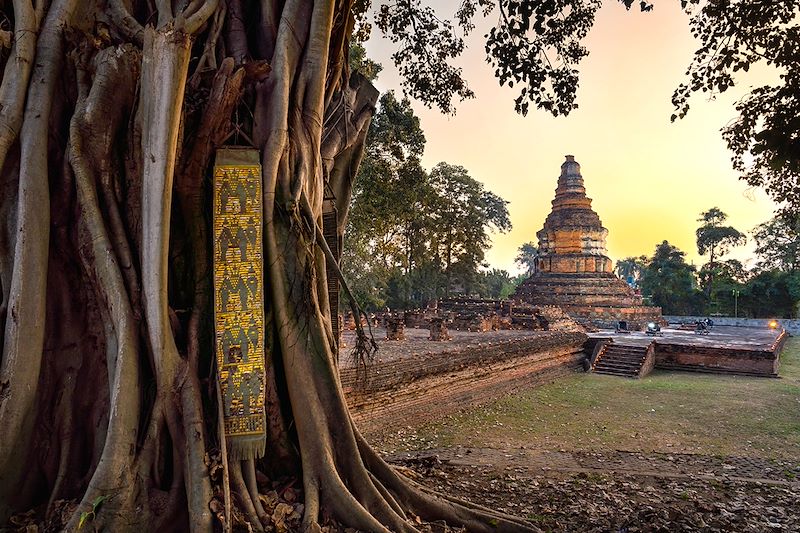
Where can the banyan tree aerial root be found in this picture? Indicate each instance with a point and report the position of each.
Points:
(111, 112)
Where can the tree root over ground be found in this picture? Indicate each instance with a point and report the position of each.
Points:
(107, 388)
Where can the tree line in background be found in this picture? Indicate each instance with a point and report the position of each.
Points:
(724, 286)
(416, 235)
(385, 270)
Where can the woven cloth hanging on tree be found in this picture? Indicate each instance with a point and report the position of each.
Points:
(239, 299)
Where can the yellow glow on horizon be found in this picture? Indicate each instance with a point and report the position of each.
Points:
(649, 179)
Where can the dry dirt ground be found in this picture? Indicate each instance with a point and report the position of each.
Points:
(611, 501)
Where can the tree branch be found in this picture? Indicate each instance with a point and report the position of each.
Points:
(125, 22)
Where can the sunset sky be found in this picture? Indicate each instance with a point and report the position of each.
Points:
(649, 179)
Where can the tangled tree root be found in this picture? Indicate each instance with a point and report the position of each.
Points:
(107, 391)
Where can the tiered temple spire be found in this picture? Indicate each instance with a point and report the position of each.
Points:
(573, 270)
(573, 238)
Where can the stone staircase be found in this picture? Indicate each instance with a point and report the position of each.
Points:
(623, 360)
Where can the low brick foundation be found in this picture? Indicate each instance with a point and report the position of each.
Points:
(725, 350)
(726, 360)
(425, 388)
(791, 325)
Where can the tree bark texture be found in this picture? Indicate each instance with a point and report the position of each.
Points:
(110, 112)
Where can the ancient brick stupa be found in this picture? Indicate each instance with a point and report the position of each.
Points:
(572, 268)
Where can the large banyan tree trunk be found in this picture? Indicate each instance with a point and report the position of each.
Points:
(111, 111)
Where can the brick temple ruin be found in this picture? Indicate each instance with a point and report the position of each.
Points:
(573, 270)
(486, 314)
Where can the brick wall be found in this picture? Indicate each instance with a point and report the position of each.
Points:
(792, 325)
(425, 388)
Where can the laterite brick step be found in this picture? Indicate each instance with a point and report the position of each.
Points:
(620, 360)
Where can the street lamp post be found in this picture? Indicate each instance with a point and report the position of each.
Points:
(735, 303)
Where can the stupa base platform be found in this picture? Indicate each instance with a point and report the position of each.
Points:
(601, 299)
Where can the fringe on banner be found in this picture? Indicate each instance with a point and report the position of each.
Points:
(243, 447)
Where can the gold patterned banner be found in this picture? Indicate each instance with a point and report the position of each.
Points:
(239, 299)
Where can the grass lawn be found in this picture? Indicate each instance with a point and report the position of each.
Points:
(664, 412)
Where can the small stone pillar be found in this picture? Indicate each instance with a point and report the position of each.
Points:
(342, 343)
(439, 330)
(395, 329)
